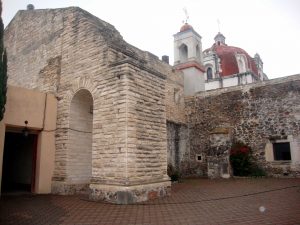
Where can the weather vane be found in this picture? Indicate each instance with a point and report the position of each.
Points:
(186, 15)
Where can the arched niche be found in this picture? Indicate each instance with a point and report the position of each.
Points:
(79, 154)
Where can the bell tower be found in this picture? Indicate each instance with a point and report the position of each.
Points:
(188, 58)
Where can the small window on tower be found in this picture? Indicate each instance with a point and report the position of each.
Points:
(282, 151)
(209, 73)
(199, 158)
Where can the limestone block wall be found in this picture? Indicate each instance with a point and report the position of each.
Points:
(257, 114)
(85, 64)
(75, 53)
(32, 38)
(146, 143)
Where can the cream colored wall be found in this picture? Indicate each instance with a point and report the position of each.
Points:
(24, 104)
(46, 148)
(39, 109)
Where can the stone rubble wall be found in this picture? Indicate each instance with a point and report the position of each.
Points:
(253, 114)
(178, 144)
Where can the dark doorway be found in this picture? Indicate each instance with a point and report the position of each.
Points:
(19, 159)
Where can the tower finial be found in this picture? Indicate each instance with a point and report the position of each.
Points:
(219, 25)
(186, 15)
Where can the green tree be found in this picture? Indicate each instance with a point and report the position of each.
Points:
(3, 68)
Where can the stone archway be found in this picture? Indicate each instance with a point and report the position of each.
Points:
(79, 166)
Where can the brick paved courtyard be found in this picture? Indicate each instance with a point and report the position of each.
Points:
(202, 201)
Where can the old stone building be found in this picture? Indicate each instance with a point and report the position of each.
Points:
(110, 134)
(122, 114)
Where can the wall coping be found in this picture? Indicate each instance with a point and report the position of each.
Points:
(246, 87)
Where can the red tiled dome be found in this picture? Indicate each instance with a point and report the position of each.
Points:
(227, 55)
(186, 27)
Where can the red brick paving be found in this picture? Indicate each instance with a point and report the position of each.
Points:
(203, 201)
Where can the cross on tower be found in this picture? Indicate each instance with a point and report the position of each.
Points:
(219, 25)
(186, 15)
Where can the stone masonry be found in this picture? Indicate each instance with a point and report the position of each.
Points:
(124, 91)
(258, 115)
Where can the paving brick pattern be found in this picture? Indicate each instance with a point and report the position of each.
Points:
(209, 202)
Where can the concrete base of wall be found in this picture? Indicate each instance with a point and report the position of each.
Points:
(129, 194)
(63, 188)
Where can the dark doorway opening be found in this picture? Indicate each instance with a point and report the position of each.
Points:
(19, 160)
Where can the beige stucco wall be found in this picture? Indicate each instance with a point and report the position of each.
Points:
(39, 109)
(23, 104)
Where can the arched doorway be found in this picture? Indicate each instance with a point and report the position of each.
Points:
(79, 166)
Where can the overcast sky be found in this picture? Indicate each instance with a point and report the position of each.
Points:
(268, 27)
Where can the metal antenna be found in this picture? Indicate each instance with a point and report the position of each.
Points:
(186, 14)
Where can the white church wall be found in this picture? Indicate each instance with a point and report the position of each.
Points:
(193, 81)
(229, 82)
(212, 85)
(249, 79)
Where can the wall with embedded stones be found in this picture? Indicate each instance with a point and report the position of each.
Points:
(257, 114)
(178, 145)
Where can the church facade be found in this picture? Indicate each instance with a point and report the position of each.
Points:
(123, 115)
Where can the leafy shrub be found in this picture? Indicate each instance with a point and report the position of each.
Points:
(242, 162)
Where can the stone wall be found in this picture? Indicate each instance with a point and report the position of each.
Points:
(32, 39)
(256, 114)
(64, 51)
(178, 144)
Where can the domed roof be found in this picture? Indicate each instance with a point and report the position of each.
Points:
(186, 27)
(229, 64)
